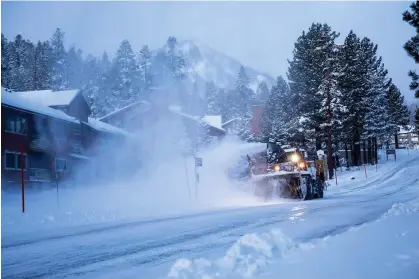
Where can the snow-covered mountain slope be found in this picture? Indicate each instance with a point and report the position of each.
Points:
(205, 64)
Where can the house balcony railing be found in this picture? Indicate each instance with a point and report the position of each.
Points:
(40, 143)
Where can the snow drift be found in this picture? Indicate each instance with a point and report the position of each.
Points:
(268, 255)
(164, 185)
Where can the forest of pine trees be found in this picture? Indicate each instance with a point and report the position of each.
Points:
(337, 96)
(110, 84)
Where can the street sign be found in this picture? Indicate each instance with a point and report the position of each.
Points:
(198, 162)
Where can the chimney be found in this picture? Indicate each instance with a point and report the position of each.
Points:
(257, 111)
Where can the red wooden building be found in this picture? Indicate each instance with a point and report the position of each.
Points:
(55, 133)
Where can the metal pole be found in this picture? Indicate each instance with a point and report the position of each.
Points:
(365, 168)
(187, 177)
(22, 161)
(196, 179)
(58, 196)
(336, 174)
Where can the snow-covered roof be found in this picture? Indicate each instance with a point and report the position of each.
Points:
(142, 103)
(213, 120)
(48, 97)
(13, 100)
(410, 129)
(229, 121)
(105, 127)
(178, 110)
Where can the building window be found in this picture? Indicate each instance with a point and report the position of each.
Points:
(13, 160)
(77, 146)
(17, 125)
(60, 165)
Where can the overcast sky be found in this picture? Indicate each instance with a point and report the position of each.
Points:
(260, 35)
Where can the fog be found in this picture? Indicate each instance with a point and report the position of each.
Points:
(148, 175)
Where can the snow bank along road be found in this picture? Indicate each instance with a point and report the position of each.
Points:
(147, 249)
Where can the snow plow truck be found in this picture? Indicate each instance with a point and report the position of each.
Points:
(282, 171)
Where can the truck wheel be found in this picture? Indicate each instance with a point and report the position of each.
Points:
(321, 189)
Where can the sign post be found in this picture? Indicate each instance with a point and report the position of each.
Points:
(57, 176)
(187, 177)
(22, 166)
(198, 163)
(391, 151)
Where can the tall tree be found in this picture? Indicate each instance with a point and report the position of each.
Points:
(262, 91)
(124, 78)
(105, 64)
(74, 67)
(412, 49)
(59, 62)
(5, 66)
(239, 101)
(279, 123)
(398, 111)
(355, 87)
(213, 100)
(306, 74)
(145, 66)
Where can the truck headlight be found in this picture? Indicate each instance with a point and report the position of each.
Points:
(276, 168)
(295, 158)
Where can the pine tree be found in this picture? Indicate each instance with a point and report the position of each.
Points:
(279, 123)
(59, 62)
(306, 74)
(412, 49)
(38, 73)
(145, 66)
(376, 121)
(239, 102)
(5, 67)
(262, 91)
(124, 77)
(105, 63)
(175, 62)
(74, 67)
(93, 88)
(399, 114)
(213, 101)
(354, 86)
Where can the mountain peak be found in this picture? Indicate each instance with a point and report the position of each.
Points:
(206, 64)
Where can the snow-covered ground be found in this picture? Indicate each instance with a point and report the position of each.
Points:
(363, 228)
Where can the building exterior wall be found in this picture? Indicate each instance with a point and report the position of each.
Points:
(53, 148)
(257, 111)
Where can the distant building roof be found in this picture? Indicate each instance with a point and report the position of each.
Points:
(407, 129)
(213, 120)
(19, 101)
(229, 121)
(178, 110)
(49, 98)
(145, 105)
(14, 100)
(105, 127)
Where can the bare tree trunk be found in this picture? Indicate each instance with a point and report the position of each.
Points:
(396, 140)
(365, 152)
(370, 161)
(347, 155)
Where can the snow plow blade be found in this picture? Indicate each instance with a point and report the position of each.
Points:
(292, 185)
